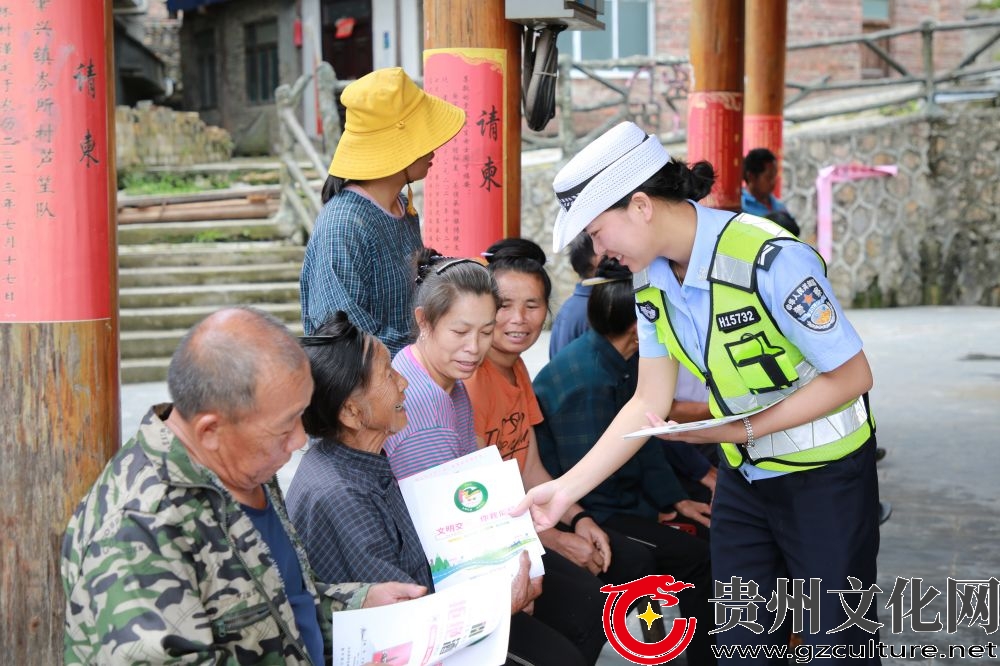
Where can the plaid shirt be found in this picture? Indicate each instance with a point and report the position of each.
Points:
(359, 260)
(349, 513)
(580, 392)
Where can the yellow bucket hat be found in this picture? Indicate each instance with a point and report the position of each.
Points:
(390, 124)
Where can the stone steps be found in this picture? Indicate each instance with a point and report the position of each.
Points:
(166, 318)
(160, 344)
(209, 254)
(209, 294)
(172, 274)
(202, 231)
(153, 276)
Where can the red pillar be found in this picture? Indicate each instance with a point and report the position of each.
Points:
(58, 304)
(472, 195)
(766, 35)
(715, 107)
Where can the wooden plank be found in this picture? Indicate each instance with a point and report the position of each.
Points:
(198, 212)
(146, 200)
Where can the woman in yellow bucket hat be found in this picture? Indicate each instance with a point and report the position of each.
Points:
(358, 258)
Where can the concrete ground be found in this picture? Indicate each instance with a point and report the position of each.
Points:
(937, 405)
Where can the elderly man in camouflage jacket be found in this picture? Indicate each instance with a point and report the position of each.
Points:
(182, 551)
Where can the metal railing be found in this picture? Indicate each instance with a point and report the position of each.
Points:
(648, 90)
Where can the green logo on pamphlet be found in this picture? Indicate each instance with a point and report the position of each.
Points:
(471, 496)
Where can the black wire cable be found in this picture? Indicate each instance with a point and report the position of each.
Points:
(540, 69)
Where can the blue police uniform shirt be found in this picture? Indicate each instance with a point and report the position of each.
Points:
(749, 204)
(792, 268)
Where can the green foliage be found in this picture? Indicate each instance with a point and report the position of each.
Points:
(905, 109)
(147, 182)
(209, 236)
(987, 4)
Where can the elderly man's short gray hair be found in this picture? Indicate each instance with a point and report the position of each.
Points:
(218, 363)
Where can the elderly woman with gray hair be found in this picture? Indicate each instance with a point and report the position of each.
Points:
(344, 500)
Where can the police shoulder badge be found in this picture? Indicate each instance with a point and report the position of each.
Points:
(809, 305)
(649, 311)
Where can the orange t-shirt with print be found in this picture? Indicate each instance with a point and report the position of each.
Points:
(503, 413)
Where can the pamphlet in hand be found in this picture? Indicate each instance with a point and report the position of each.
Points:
(465, 625)
(696, 425)
(461, 511)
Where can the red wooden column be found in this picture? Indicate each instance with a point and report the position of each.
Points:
(472, 195)
(715, 107)
(58, 306)
(766, 36)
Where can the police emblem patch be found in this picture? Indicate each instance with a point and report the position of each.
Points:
(809, 305)
(649, 311)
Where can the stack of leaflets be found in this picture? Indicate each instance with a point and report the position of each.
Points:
(461, 513)
(465, 625)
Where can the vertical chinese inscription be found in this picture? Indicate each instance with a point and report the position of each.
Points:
(8, 141)
(463, 196)
(54, 227)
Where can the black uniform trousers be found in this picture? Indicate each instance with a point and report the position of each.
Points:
(820, 523)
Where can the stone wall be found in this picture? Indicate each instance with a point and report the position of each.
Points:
(960, 253)
(150, 135)
(930, 235)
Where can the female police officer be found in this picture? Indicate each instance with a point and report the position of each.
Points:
(747, 307)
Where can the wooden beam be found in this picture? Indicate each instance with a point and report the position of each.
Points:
(58, 310)
(481, 24)
(715, 106)
(763, 116)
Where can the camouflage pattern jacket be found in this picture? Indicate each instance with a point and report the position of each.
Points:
(160, 565)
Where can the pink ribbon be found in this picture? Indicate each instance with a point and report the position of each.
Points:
(824, 197)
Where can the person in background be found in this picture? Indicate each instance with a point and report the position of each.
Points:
(696, 465)
(760, 173)
(685, 475)
(360, 254)
(182, 550)
(344, 500)
(571, 320)
(747, 306)
(456, 312)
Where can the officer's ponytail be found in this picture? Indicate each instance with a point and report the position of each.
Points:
(676, 181)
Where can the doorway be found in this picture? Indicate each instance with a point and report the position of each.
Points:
(347, 36)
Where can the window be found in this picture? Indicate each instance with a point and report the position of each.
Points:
(204, 45)
(261, 42)
(628, 32)
(875, 10)
(876, 16)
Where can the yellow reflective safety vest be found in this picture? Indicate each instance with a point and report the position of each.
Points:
(751, 364)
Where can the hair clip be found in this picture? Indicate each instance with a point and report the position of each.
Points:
(590, 282)
(455, 262)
